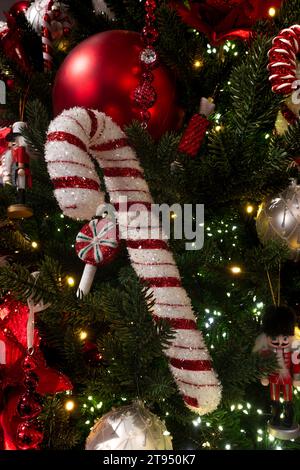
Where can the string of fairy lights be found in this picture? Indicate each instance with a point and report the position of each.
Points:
(91, 407)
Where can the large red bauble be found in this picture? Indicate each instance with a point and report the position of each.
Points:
(102, 73)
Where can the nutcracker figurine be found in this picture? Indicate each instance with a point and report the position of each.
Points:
(22, 175)
(278, 340)
(5, 157)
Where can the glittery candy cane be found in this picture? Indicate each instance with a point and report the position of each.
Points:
(75, 138)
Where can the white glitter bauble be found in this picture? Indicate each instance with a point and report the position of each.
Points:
(278, 218)
(101, 7)
(130, 427)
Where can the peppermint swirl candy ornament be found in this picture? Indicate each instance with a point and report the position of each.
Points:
(96, 244)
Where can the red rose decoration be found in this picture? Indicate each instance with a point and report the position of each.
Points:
(224, 19)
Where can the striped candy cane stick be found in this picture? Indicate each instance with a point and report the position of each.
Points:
(56, 23)
(47, 39)
(73, 138)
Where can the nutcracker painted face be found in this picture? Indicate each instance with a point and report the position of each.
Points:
(280, 341)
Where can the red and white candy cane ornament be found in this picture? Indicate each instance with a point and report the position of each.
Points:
(96, 244)
(283, 65)
(73, 139)
(55, 24)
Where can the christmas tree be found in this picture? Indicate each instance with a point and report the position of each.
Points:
(101, 99)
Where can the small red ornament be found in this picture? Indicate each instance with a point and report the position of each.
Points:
(29, 406)
(195, 132)
(11, 45)
(102, 73)
(10, 83)
(19, 8)
(91, 353)
(29, 436)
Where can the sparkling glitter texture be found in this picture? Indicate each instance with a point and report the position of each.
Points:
(144, 96)
(279, 219)
(130, 427)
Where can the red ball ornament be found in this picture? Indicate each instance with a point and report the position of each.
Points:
(103, 72)
(11, 46)
(92, 354)
(18, 8)
(29, 436)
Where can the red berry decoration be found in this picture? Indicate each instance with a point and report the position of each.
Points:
(29, 406)
(144, 95)
(29, 436)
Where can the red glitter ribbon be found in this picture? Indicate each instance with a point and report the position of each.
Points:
(190, 364)
(66, 137)
(178, 323)
(111, 145)
(162, 281)
(75, 182)
(147, 244)
(131, 172)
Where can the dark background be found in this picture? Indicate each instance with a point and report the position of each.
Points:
(4, 6)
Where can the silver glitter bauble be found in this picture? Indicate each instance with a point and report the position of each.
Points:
(130, 427)
(278, 218)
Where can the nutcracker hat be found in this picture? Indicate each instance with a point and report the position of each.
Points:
(16, 130)
(279, 321)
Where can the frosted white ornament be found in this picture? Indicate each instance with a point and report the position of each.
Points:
(130, 427)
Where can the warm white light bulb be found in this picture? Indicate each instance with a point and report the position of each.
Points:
(236, 269)
(71, 281)
(70, 405)
(272, 11)
(83, 335)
